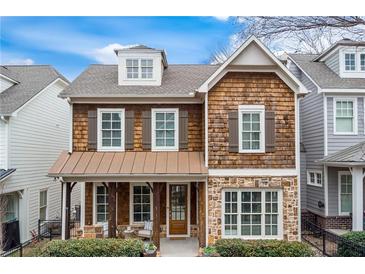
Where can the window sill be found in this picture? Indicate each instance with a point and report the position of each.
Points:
(252, 237)
(251, 151)
(114, 149)
(345, 133)
(315, 185)
(164, 149)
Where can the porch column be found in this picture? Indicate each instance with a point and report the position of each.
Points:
(112, 221)
(66, 208)
(201, 213)
(156, 214)
(357, 198)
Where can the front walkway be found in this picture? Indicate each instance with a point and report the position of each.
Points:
(188, 247)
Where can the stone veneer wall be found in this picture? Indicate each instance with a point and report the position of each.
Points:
(289, 185)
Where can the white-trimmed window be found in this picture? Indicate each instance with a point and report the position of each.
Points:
(141, 203)
(345, 110)
(139, 68)
(251, 126)
(43, 205)
(146, 68)
(350, 61)
(110, 129)
(101, 204)
(345, 192)
(165, 125)
(362, 61)
(314, 178)
(132, 66)
(11, 207)
(252, 214)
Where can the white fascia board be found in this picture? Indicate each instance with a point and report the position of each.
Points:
(9, 79)
(205, 86)
(234, 172)
(344, 91)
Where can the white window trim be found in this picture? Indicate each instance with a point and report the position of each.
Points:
(249, 109)
(316, 172)
(131, 207)
(254, 237)
(39, 204)
(153, 127)
(340, 173)
(354, 121)
(99, 134)
(344, 56)
(357, 73)
(139, 69)
(94, 204)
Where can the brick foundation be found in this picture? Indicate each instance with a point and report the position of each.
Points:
(330, 222)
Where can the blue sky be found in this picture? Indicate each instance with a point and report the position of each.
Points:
(70, 44)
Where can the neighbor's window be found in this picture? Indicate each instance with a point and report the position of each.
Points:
(146, 68)
(141, 203)
(252, 214)
(314, 178)
(362, 61)
(345, 182)
(165, 129)
(132, 68)
(111, 129)
(101, 204)
(251, 128)
(350, 64)
(11, 206)
(345, 116)
(43, 205)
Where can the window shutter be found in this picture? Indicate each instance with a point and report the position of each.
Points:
(129, 129)
(233, 131)
(183, 129)
(269, 131)
(146, 129)
(92, 130)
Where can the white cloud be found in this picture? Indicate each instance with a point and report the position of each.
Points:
(222, 18)
(19, 61)
(106, 55)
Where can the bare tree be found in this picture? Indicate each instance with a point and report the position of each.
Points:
(301, 34)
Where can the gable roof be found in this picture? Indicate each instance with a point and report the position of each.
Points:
(8, 74)
(322, 75)
(102, 81)
(271, 60)
(31, 79)
(354, 155)
(343, 42)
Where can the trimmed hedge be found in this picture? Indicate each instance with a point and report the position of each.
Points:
(94, 248)
(352, 244)
(262, 248)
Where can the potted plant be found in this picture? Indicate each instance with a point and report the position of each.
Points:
(150, 250)
(210, 251)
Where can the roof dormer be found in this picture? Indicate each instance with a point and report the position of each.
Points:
(140, 66)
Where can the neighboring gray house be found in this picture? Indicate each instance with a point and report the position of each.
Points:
(34, 127)
(333, 134)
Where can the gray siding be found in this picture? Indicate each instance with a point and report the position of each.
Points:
(333, 62)
(338, 142)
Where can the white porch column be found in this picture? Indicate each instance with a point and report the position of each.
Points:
(63, 233)
(357, 198)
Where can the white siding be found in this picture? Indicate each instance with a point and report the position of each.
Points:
(3, 143)
(38, 133)
(5, 84)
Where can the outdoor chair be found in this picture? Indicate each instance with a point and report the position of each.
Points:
(146, 232)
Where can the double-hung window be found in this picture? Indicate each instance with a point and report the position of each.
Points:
(314, 178)
(102, 202)
(146, 68)
(139, 68)
(165, 129)
(362, 61)
(141, 207)
(252, 214)
(350, 61)
(132, 68)
(345, 192)
(345, 116)
(110, 129)
(43, 205)
(11, 206)
(251, 119)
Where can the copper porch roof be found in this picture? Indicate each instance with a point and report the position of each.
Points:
(128, 164)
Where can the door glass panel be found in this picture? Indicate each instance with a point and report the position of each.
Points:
(178, 202)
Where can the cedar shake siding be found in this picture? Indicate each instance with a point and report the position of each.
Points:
(195, 134)
(251, 88)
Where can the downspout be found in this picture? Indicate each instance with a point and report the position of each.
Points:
(70, 144)
(297, 163)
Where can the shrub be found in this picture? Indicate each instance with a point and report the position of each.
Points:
(210, 251)
(352, 244)
(94, 248)
(262, 248)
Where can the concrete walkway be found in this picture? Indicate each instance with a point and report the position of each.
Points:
(188, 247)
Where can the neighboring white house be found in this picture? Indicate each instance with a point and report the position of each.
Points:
(34, 127)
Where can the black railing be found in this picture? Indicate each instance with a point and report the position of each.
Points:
(329, 243)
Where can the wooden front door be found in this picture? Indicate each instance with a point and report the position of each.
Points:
(178, 213)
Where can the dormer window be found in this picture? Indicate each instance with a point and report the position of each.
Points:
(147, 68)
(139, 68)
(362, 61)
(350, 64)
(132, 68)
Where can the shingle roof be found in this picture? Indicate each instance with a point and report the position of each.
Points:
(343, 42)
(32, 79)
(8, 73)
(323, 75)
(4, 173)
(102, 80)
(352, 155)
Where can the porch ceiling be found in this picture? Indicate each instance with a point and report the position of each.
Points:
(128, 164)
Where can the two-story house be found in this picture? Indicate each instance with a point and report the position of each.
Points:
(207, 151)
(34, 127)
(333, 134)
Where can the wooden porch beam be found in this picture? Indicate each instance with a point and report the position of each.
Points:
(68, 210)
(112, 220)
(201, 213)
(156, 214)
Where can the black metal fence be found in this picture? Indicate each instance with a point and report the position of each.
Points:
(329, 243)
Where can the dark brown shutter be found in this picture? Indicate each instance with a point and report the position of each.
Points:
(269, 131)
(92, 130)
(146, 129)
(233, 131)
(129, 129)
(183, 129)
